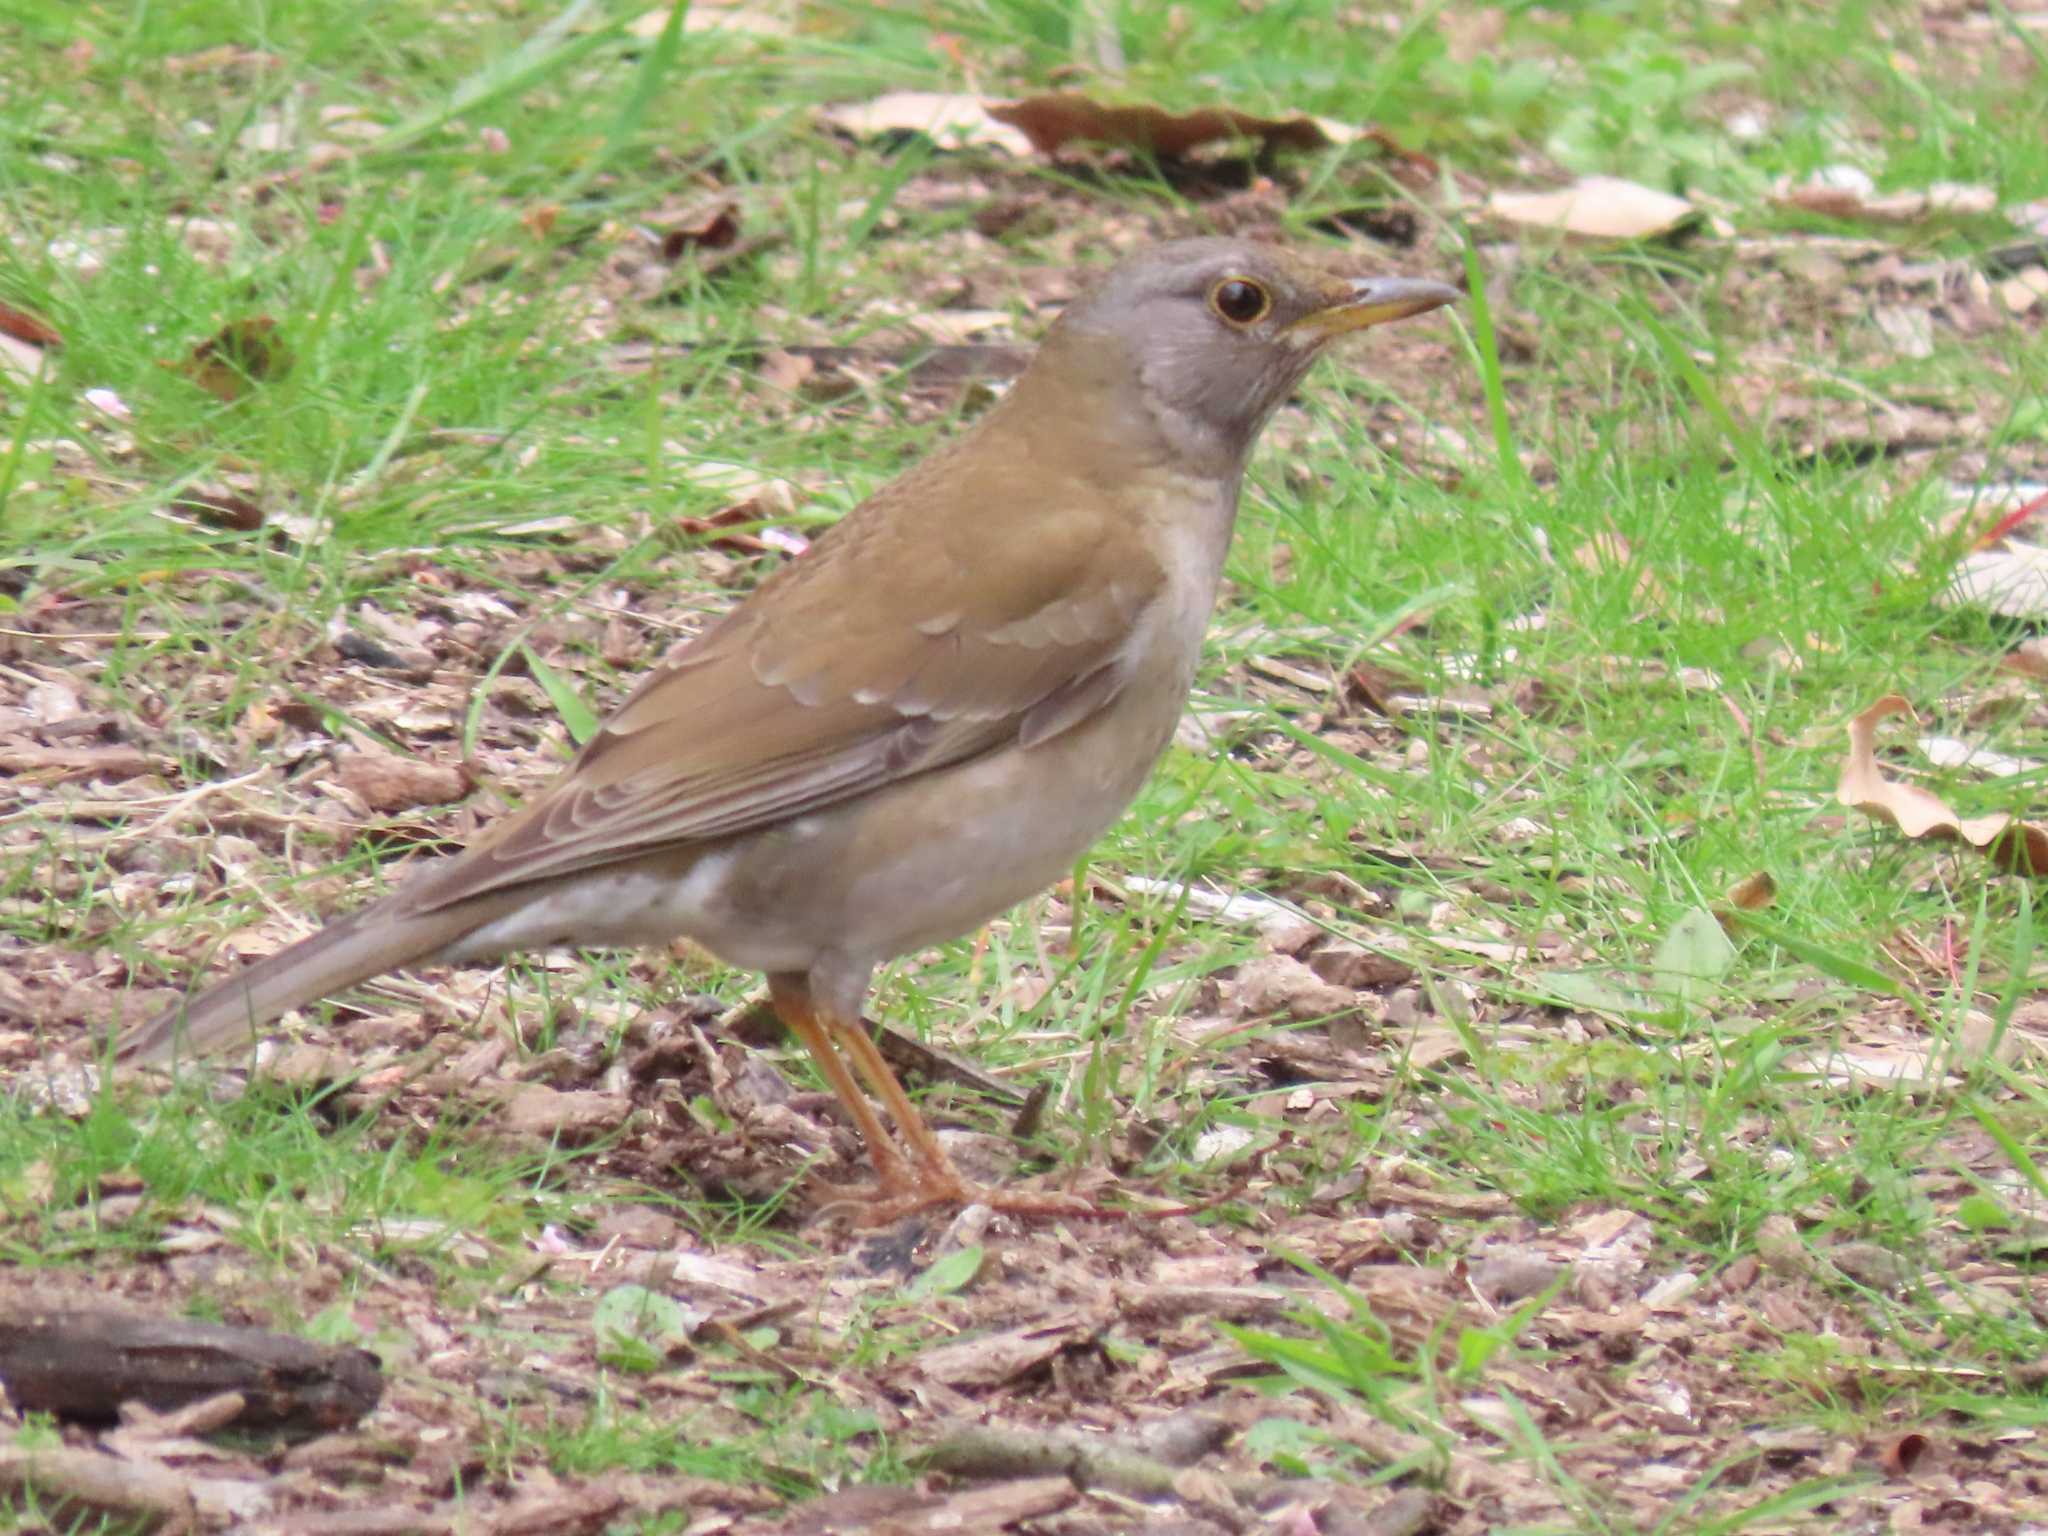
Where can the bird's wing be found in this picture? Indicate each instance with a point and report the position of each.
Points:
(870, 659)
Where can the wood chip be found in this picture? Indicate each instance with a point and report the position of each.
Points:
(995, 1358)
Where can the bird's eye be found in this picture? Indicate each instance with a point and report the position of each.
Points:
(1240, 300)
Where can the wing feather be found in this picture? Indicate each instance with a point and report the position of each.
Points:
(854, 667)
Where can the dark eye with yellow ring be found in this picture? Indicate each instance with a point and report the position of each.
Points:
(1240, 300)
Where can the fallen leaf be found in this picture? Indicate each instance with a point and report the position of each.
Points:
(739, 482)
(1598, 208)
(1065, 117)
(1753, 893)
(220, 509)
(1589, 990)
(2015, 845)
(23, 326)
(2011, 580)
(1246, 908)
(949, 120)
(223, 59)
(982, 1511)
(958, 327)
(1375, 685)
(1878, 1067)
(712, 225)
(741, 529)
(786, 372)
(239, 354)
(1049, 123)
(1428, 1047)
(1999, 571)
(1694, 955)
(1947, 752)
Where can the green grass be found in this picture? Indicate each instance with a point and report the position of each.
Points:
(1645, 607)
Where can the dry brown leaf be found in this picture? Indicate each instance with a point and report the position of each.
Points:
(712, 225)
(1598, 208)
(1604, 551)
(1063, 117)
(1753, 893)
(2015, 845)
(744, 526)
(1049, 123)
(19, 360)
(23, 326)
(239, 354)
(1374, 685)
(220, 509)
(1877, 1067)
(742, 529)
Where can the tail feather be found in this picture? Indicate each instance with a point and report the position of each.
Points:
(349, 950)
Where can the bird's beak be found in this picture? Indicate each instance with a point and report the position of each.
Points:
(1368, 301)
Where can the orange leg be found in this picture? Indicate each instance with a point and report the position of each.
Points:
(938, 1182)
(793, 1005)
(867, 1057)
(928, 1177)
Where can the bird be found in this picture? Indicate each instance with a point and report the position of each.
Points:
(921, 721)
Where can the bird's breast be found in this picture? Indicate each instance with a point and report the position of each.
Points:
(1189, 535)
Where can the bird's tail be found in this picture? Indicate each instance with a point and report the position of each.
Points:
(382, 937)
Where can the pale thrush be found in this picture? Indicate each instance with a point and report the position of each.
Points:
(920, 722)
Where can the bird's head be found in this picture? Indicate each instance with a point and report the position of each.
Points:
(1219, 331)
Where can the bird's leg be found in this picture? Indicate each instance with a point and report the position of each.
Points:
(795, 1006)
(935, 1170)
(935, 1180)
